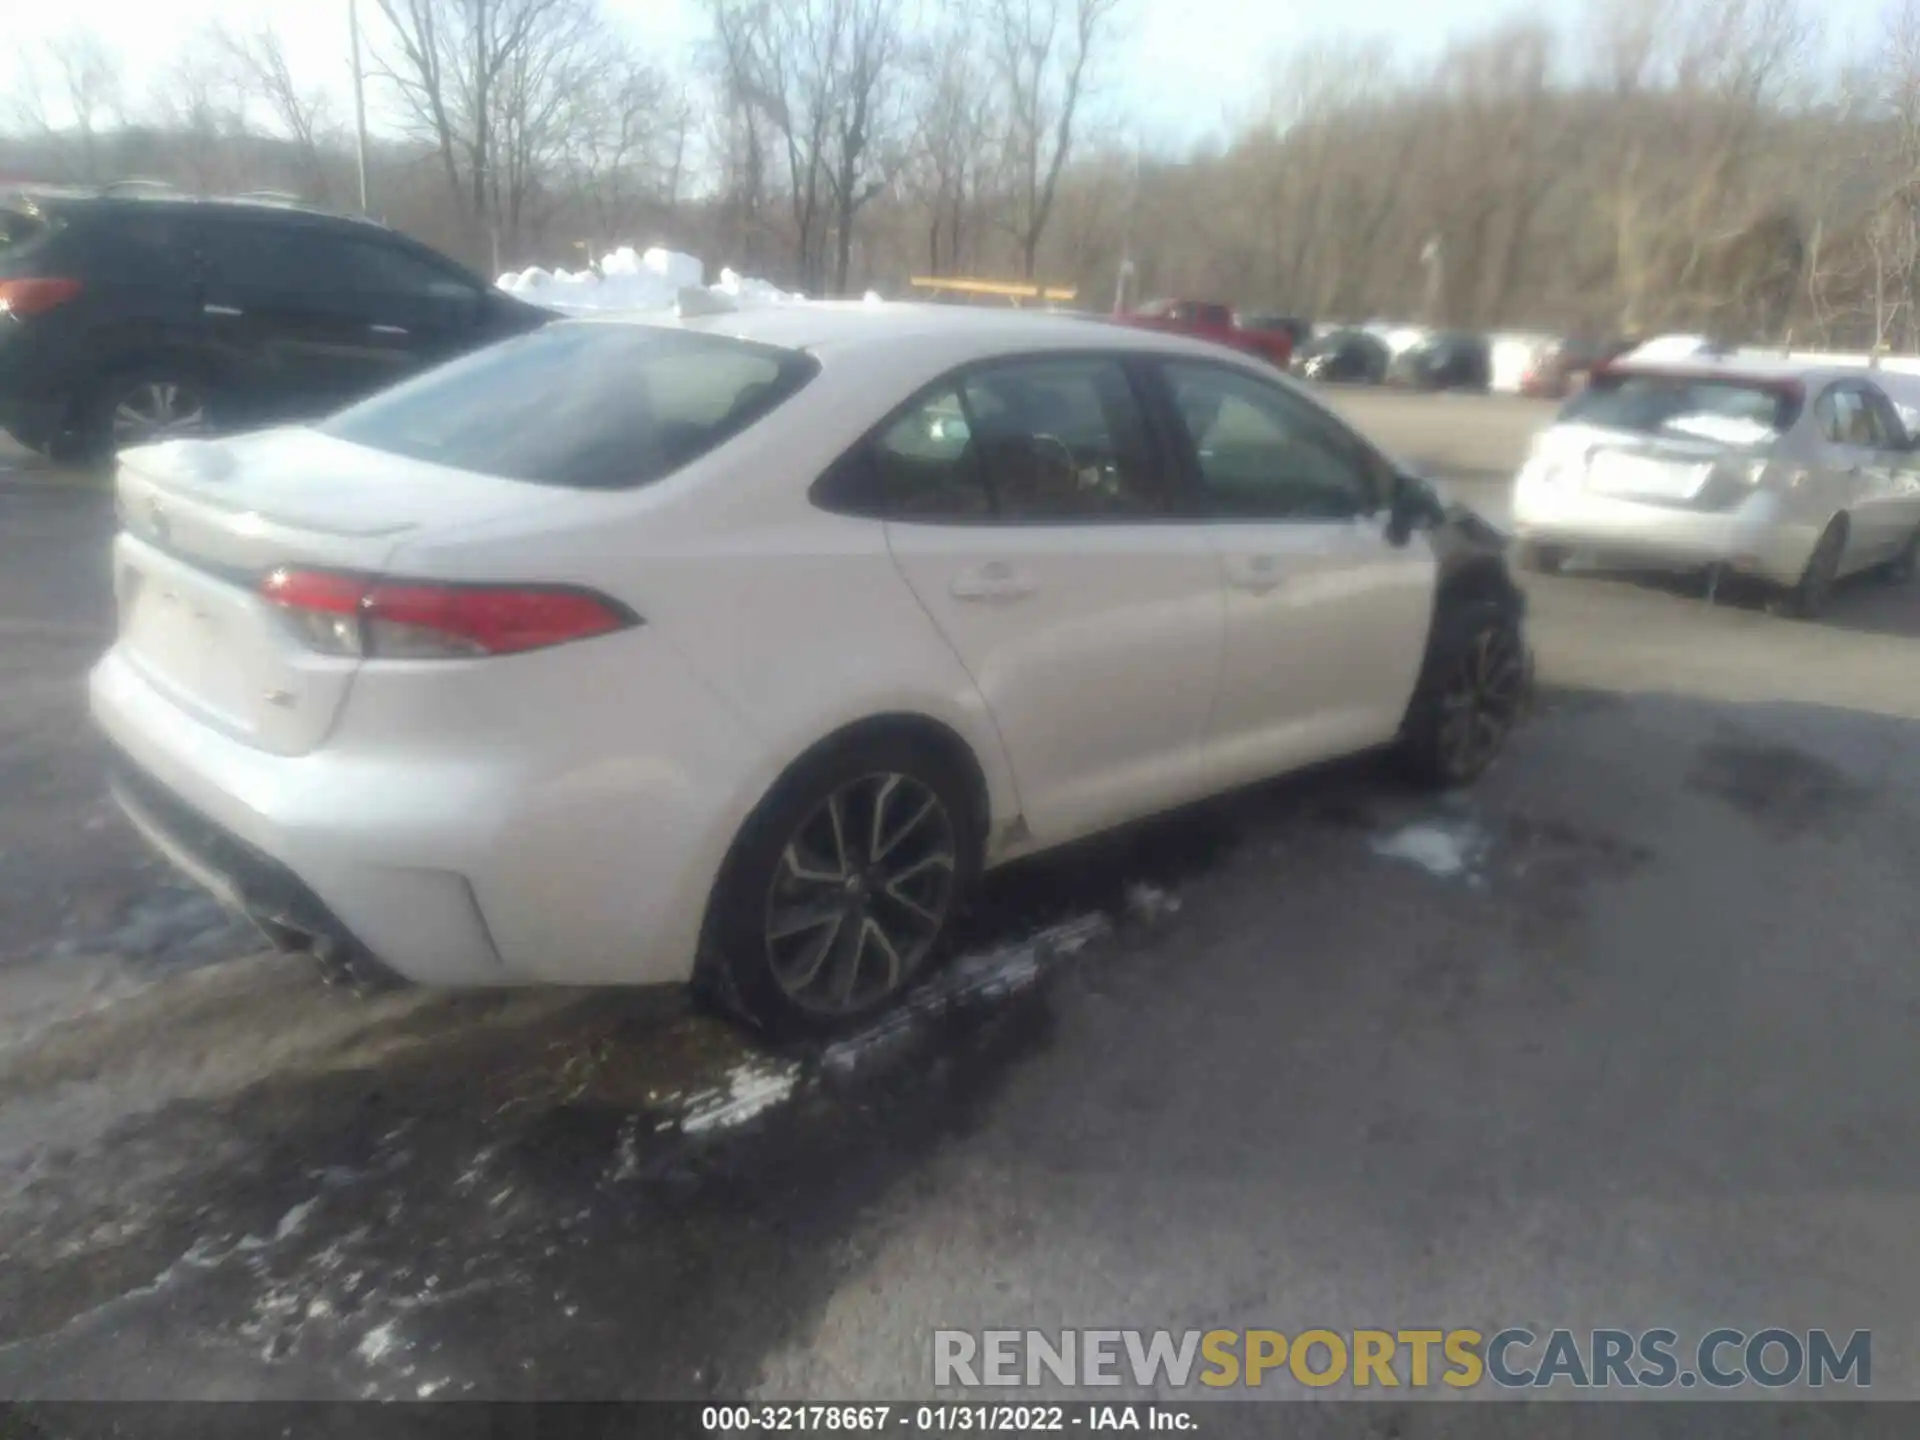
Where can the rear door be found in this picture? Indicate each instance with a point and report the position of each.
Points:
(288, 306)
(1029, 511)
(1326, 620)
(1856, 466)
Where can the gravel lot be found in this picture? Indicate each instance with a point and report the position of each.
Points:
(1622, 1038)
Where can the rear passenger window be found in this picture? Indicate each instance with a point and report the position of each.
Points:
(1846, 418)
(1061, 439)
(924, 467)
(138, 247)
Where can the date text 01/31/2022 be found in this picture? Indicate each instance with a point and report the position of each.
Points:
(936, 1419)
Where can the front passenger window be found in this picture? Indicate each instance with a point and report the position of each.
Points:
(1262, 454)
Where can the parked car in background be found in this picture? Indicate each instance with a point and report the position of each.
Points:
(735, 648)
(134, 313)
(1207, 320)
(1295, 327)
(1561, 367)
(1351, 357)
(1793, 474)
(1448, 360)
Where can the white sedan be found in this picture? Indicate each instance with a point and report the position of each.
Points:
(733, 648)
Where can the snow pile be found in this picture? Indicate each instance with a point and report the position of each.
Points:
(629, 280)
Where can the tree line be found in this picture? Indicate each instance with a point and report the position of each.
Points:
(1709, 165)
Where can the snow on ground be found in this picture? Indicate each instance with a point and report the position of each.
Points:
(626, 280)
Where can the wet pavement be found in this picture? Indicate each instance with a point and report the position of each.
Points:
(1622, 1037)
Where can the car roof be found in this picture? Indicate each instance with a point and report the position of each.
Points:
(66, 199)
(1772, 369)
(951, 335)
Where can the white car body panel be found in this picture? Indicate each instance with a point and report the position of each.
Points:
(1096, 649)
(1326, 631)
(560, 815)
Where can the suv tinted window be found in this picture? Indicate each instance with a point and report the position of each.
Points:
(587, 406)
(385, 269)
(133, 243)
(1263, 454)
(258, 254)
(1061, 439)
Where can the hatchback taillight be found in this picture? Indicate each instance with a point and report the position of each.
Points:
(35, 297)
(345, 614)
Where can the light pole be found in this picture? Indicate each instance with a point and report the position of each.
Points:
(359, 101)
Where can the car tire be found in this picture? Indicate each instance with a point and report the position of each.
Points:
(1808, 599)
(1472, 690)
(1901, 568)
(802, 941)
(173, 396)
(1543, 559)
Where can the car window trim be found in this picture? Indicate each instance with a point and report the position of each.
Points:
(1189, 458)
(1159, 452)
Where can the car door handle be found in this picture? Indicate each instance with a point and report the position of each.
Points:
(388, 329)
(220, 309)
(992, 581)
(1256, 573)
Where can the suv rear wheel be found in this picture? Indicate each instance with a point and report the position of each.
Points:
(141, 406)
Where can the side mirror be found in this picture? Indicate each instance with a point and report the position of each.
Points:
(1415, 504)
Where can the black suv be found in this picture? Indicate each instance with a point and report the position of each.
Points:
(127, 316)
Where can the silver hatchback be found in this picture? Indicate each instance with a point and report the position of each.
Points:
(1794, 474)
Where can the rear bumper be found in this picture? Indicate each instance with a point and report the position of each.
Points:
(1756, 538)
(287, 865)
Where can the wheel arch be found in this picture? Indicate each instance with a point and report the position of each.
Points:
(133, 360)
(941, 738)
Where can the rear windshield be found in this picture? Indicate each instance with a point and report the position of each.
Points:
(588, 406)
(1709, 409)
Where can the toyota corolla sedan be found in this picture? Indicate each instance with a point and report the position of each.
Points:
(1796, 475)
(733, 648)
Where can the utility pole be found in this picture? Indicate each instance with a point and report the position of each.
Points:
(359, 101)
(1124, 280)
(1430, 257)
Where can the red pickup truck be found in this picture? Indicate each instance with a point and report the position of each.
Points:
(1208, 321)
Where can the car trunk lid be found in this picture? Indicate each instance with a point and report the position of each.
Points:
(203, 523)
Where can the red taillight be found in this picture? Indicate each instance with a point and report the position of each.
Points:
(420, 620)
(35, 297)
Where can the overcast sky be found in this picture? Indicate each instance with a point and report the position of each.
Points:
(1181, 68)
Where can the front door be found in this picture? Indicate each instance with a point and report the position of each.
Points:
(1327, 619)
(1029, 513)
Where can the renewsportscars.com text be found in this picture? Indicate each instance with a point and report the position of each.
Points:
(1514, 1358)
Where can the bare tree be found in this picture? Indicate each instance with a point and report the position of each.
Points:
(258, 60)
(197, 97)
(86, 75)
(946, 170)
(1043, 51)
(822, 74)
(868, 150)
(482, 81)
